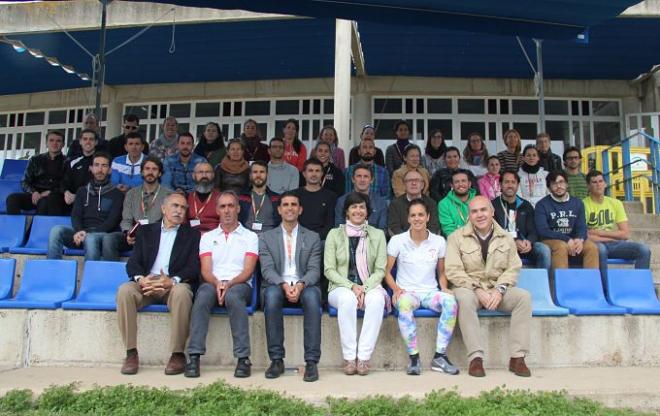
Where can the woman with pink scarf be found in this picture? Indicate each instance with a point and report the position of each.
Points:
(354, 263)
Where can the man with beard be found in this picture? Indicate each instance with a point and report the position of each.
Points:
(381, 183)
(201, 203)
(96, 212)
(453, 209)
(77, 171)
(441, 182)
(141, 207)
(259, 206)
(178, 168)
(318, 203)
(283, 176)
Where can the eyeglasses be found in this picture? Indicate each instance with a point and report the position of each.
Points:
(131, 127)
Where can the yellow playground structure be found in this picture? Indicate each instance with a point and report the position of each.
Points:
(592, 158)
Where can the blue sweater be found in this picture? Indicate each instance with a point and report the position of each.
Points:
(560, 220)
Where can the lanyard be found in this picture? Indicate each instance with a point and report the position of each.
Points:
(530, 185)
(509, 216)
(289, 247)
(255, 211)
(460, 212)
(325, 175)
(197, 212)
(151, 204)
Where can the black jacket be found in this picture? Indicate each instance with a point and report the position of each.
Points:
(184, 261)
(441, 182)
(97, 208)
(75, 150)
(77, 173)
(115, 146)
(525, 226)
(37, 178)
(245, 201)
(550, 161)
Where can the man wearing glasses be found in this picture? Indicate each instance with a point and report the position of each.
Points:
(561, 224)
(577, 183)
(397, 214)
(117, 145)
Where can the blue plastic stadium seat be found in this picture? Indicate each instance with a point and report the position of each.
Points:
(535, 281)
(7, 269)
(45, 285)
(13, 169)
(154, 308)
(527, 262)
(74, 251)
(581, 291)
(360, 313)
(38, 240)
(634, 290)
(99, 285)
(620, 261)
(13, 231)
(253, 302)
(8, 187)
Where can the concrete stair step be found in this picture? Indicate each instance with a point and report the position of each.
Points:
(633, 207)
(644, 220)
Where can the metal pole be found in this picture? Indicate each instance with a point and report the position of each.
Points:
(100, 70)
(539, 83)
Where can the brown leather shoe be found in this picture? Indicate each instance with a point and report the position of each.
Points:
(176, 365)
(131, 364)
(350, 368)
(518, 367)
(476, 368)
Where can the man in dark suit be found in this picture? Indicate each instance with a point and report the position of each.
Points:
(163, 269)
(290, 265)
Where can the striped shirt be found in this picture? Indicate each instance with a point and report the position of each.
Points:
(510, 162)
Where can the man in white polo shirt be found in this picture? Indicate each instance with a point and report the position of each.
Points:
(228, 256)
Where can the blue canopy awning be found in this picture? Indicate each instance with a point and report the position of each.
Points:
(543, 19)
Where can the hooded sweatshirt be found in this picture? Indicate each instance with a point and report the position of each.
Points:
(97, 208)
(532, 183)
(557, 220)
(453, 212)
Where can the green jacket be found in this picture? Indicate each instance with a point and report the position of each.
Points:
(453, 212)
(336, 256)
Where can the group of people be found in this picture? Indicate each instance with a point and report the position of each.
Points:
(440, 232)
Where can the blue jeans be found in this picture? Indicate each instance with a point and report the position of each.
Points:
(624, 249)
(541, 255)
(61, 236)
(273, 301)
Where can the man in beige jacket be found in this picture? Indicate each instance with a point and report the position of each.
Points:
(482, 264)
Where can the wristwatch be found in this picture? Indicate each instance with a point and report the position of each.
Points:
(502, 289)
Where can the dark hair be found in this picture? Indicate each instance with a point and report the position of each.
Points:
(453, 149)
(492, 157)
(259, 163)
(153, 160)
(418, 201)
(528, 147)
(297, 144)
(102, 154)
(57, 133)
(509, 172)
(443, 146)
(132, 118)
(135, 135)
(312, 161)
(467, 152)
(363, 167)
(552, 177)
(186, 134)
(290, 193)
(461, 172)
(410, 148)
(571, 149)
(249, 120)
(220, 139)
(334, 130)
(399, 123)
(367, 126)
(276, 139)
(593, 174)
(96, 135)
(356, 198)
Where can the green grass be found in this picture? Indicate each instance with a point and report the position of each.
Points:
(222, 399)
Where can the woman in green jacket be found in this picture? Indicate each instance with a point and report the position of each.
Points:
(354, 263)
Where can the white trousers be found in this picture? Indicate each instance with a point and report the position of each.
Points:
(345, 302)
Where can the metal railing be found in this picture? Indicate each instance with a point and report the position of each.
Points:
(653, 163)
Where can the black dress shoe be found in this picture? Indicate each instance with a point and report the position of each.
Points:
(311, 372)
(276, 369)
(192, 366)
(243, 368)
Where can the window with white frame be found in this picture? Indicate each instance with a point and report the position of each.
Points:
(582, 122)
(23, 133)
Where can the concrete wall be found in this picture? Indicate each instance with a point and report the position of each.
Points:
(90, 338)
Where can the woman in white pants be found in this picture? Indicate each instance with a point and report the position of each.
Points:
(354, 263)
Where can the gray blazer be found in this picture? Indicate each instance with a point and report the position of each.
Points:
(272, 256)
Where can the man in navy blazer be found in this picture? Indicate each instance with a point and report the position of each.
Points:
(290, 258)
(163, 269)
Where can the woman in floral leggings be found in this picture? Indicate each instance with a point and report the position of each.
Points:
(419, 256)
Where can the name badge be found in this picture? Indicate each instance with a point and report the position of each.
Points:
(144, 222)
(257, 226)
(195, 223)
